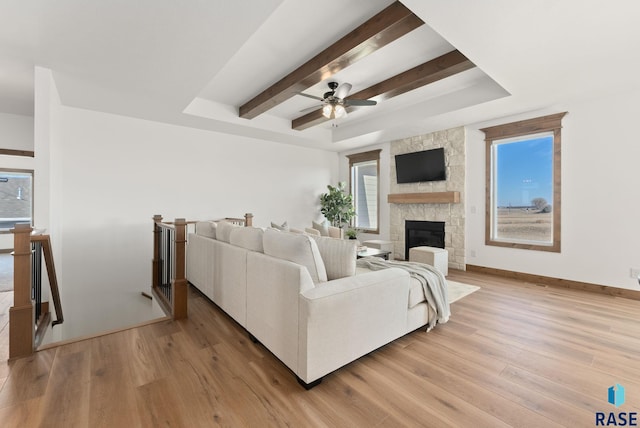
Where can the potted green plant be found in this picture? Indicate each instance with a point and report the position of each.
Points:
(336, 205)
(352, 233)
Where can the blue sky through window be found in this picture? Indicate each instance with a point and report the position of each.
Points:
(524, 171)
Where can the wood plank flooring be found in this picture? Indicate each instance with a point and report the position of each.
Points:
(513, 354)
(6, 301)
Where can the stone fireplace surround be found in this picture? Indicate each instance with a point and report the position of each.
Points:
(452, 214)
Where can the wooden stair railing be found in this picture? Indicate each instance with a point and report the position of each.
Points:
(29, 316)
(169, 281)
(168, 267)
(45, 241)
(246, 221)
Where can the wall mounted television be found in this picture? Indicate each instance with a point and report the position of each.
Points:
(427, 165)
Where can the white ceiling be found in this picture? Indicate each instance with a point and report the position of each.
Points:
(193, 63)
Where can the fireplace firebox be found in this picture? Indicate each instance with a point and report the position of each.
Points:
(420, 233)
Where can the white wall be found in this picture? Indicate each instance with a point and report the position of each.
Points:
(110, 174)
(117, 172)
(384, 218)
(600, 197)
(16, 132)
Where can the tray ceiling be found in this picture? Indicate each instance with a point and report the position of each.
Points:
(196, 64)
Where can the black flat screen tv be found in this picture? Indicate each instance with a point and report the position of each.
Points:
(427, 165)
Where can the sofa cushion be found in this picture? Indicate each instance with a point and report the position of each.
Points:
(339, 256)
(223, 231)
(206, 228)
(247, 237)
(296, 248)
(416, 293)
(322, 228)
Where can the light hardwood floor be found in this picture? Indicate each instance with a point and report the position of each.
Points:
(513, 354)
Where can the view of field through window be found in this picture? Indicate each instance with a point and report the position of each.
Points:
(523, 189)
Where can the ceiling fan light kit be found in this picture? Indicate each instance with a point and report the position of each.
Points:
(333, 102)
(339, 111)
(334, 111)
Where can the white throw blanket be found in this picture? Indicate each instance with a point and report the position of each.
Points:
(432, 280)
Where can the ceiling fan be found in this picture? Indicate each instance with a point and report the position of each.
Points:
(334, 103)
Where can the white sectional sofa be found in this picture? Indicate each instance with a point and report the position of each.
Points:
(301, 297)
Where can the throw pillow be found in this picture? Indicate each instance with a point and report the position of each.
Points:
(296, 248)
(311, 231)
(223, 231)
(336, 232)
(339, 256)
(247, 237)
(206, 228)
(282, 227)
(322, 228)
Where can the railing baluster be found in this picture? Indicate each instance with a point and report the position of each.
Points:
(170, 261)
(163, 257)
(33, 271)
(36, 278)
(165, 274)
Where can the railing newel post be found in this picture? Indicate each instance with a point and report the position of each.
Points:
(156, 266)
(180, 285)
(22, 313)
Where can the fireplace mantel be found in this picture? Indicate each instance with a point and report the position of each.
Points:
(424, 198)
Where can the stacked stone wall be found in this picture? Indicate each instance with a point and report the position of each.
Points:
(452, 214)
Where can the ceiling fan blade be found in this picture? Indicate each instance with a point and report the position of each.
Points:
(310, 96)
(360, 102)
(343, 90)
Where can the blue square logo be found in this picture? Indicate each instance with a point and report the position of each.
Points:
(616, 395)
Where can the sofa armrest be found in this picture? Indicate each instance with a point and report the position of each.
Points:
(344, 319)
(273, 290)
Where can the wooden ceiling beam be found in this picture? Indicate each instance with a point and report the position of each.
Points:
(388, 25)
(431, 71)
(308, 120)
